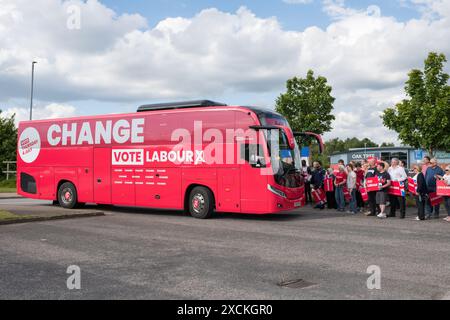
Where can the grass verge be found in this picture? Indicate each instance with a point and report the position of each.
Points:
(8, 186)
(8, 216)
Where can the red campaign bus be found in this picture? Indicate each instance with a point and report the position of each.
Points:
(197, 156)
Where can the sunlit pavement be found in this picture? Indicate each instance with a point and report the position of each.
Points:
(148, 254)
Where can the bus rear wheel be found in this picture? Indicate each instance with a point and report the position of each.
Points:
(67, 195)
(201, 204)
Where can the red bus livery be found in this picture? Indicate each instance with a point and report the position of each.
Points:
(198, 156)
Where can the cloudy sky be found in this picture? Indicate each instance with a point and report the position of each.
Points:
(121, 54)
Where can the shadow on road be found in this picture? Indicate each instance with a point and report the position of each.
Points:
(300, 214)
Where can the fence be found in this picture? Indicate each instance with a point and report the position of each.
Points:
(9, 166)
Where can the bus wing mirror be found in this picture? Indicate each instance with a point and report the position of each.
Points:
(315, 136)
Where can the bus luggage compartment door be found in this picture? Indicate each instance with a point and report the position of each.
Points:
(102, 175)
(229, 197)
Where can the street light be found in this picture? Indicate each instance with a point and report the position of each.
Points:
(32, 89)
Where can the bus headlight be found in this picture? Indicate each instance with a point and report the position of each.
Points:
(276, 191)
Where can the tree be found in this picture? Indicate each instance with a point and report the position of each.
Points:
(8, 139)
(307, 104)
(386, 144)
(423, 119)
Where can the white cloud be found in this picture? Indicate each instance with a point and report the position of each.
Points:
(365, 55)
(50, 111)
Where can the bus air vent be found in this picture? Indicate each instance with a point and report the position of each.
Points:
(180, 105)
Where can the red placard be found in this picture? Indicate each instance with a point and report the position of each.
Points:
(412, 186)
(435, 199)
(397, 188)
(318, 195)
(347, 194)
(442, 188)
(364, 194)
(372, 184)
(328, 184)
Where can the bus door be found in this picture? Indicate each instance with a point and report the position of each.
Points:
(253, 176)
(102, 175)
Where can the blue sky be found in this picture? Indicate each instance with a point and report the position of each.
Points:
(291, 16)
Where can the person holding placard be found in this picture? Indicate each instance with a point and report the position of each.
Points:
(421, 192)
(382, 193)
(433, 173)
(397, 174)
(446, 179)
(371, 172)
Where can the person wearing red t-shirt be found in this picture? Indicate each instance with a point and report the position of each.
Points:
(339, 182)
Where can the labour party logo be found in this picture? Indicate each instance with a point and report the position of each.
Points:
(29, 145)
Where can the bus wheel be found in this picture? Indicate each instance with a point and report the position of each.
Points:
(67, 195)
(201, 204)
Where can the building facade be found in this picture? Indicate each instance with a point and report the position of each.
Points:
(407, 154)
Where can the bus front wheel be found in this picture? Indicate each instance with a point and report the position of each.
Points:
(201, 204)
(67, 195)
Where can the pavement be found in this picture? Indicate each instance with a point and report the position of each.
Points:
(152, 254)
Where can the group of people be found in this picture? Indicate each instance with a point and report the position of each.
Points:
(348, 181)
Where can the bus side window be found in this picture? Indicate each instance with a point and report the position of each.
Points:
(253, 154)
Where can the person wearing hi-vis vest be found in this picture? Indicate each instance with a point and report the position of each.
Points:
(397, 173)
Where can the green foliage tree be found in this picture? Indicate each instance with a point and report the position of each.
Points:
(8, 139)
(307, 104)
(423, 119)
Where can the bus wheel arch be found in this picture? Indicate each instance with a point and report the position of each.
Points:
(199, 201)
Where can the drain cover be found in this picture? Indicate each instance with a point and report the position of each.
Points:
(296, 284)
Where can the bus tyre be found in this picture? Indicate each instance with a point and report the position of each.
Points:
(201, 204)
(67, 195)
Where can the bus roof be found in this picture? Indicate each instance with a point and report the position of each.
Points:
(180, 105)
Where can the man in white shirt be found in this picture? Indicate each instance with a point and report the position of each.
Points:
(397, 173)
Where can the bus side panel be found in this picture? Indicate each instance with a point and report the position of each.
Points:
(102, 175)
(66, 174)
(196, 176)
(85, 185)
(46, 185)
(228, 189)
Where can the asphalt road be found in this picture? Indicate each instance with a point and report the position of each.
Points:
(145, 254)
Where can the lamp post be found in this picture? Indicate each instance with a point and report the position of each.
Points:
(32, 89)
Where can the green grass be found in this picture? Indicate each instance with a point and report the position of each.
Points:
(8, 216)
(8, 186)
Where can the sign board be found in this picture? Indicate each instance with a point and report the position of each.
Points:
(359, 156)
(305, 152)
(418, 154)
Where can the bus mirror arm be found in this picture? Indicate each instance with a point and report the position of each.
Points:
(316, 136)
